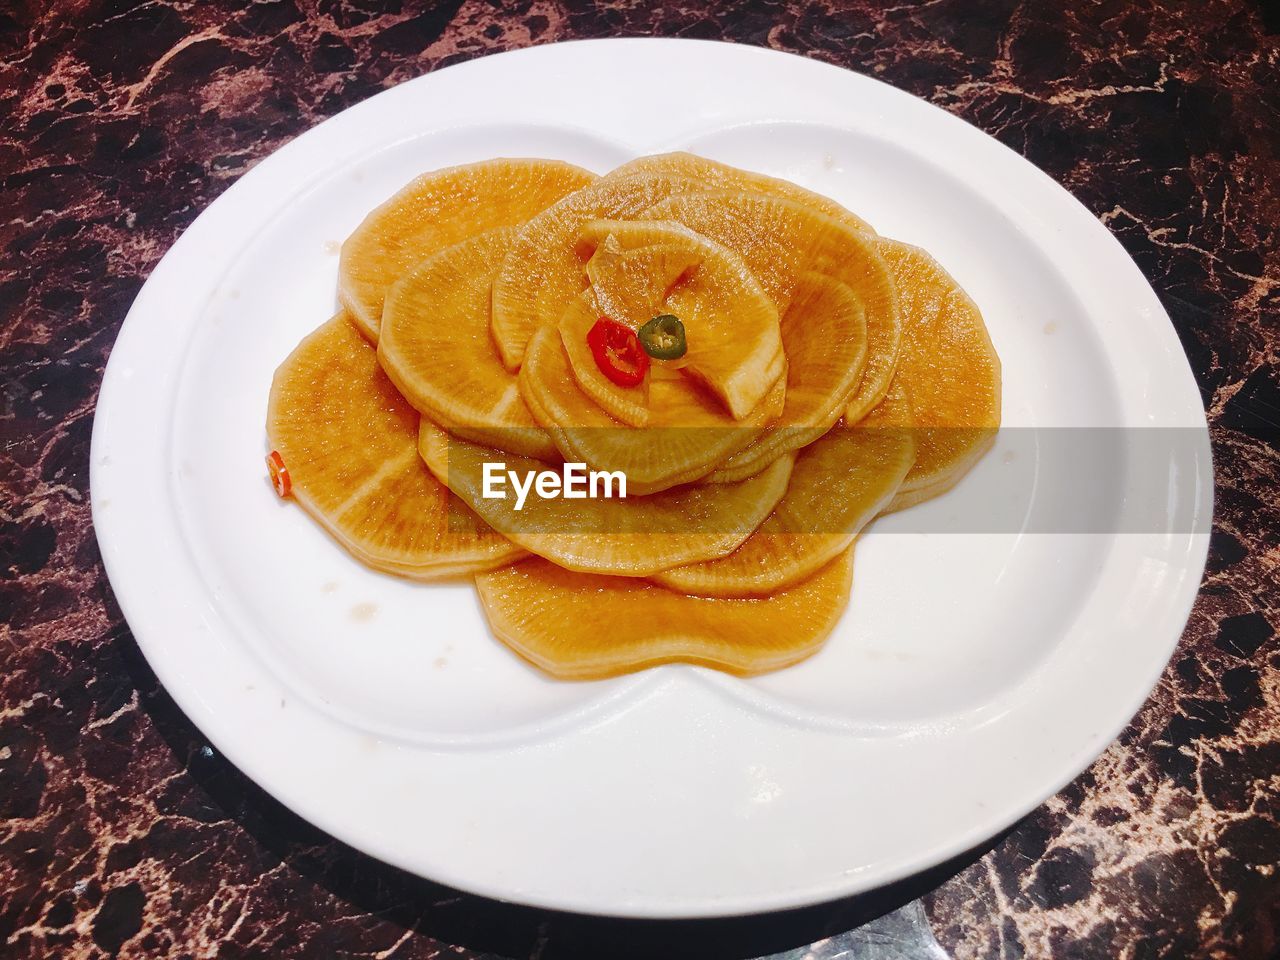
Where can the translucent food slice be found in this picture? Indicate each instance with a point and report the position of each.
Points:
(780, 241)
(436, 347)
(628, 287)
(824, 336)
(349, 442)
(687, 434)
(731, 326)
(713, 176)
(545, 269)
(437, 210)
(635, 536)
(630, 405)
(544, 272)
(839, 484)
(951, 370)
(579, 626)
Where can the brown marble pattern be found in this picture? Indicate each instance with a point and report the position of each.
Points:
(123, 834)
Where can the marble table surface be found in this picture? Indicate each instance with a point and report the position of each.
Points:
(123, 834)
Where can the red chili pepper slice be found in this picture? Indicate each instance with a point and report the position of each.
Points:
(279, 474)
(618, 352)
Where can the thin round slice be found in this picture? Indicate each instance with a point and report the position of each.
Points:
(824, 336)
(545, 269)
(629, 404)
(780, 241)
(951, 370)
(632, 536)
(544, 272)
(731, 326)
(578, 626)
(349, 443)
(711, 175)
(630, 288)
(839, 484)
(688, 432)
(436, 347)
(436, 211)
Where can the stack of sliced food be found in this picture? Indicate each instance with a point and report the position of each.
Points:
(758, 370)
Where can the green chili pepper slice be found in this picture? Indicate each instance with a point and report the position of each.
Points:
(663, 337)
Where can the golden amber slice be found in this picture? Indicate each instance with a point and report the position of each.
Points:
(436, 347)
(712, 176)
(628, 404)
(950, 369)
(436, 211)
(544, 273)
(781, 241)
(579, 626)
(687, 434)
(635, 536)
(349, 442)
(731, 326)
(839, 484)
(545, 269)
(824, 337)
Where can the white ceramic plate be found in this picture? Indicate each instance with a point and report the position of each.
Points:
(973, 675)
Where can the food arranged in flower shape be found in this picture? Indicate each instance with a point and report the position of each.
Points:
(755, 370)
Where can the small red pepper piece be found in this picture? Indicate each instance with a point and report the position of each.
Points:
(618, 352)
(279, 474)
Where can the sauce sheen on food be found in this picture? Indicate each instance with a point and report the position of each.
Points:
(747, 369)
